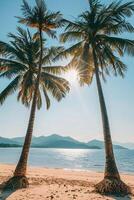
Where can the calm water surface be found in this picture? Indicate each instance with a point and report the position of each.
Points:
(70, 158)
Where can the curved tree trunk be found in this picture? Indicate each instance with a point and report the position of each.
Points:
(21, 167)
(111, 184)
(111, 170)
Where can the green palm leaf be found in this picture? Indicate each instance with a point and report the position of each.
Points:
(11, 88)
(57, 86)
(14, 65)
(55, 70)
(97, 27)
(126, 45)
(40, 16)
(47, 99)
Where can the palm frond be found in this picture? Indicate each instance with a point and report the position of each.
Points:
(57, 86)
(72, 25)
(20, 58)
(47, 99)
(126, 45)
(11, 88)
(97, 27)
(26, 9)
(71, 36)
(27, 87)
(83, 63)
(108, 61)
(70, 51)
(51, 53)
(49, 32)
(39, 100)
(11, 65)
(55, 70)
(122, 10)
(119, 28)
(40, 17)
(6, 49)
(114, 15)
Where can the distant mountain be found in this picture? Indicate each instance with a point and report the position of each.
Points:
(100, 144)
(18, 140)
(126, 145)
(55, 141)
(52, 138)
(2, 145)
(42, 139)
(6, 141)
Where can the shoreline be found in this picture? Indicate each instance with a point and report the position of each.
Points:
(68, 169)
(59, 184)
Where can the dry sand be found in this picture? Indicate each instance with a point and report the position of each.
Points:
(59, 184)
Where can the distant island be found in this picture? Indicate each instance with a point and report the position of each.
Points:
(55, 141)
(2, 145)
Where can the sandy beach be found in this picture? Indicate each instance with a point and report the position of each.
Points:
(58, 184)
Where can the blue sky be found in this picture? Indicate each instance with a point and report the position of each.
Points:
(78, 115)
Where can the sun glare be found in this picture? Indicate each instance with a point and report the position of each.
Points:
(72, 76)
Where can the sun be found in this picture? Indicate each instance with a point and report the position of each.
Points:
(72, 76)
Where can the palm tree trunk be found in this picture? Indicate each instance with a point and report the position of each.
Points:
(21, 167)
(111, 170)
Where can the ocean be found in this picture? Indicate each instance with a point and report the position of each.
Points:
(77, 159)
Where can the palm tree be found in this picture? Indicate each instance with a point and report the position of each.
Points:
(40, 18)
(19, 62)
(96, 52)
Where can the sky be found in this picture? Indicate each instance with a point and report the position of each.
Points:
(78, 115)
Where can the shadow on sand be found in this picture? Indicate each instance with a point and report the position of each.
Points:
(11, 185)
(5, 193)
(128, 197)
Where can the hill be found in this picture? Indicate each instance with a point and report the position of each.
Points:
(55, 141)
(100, 144)
(7, 141)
